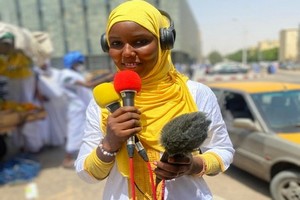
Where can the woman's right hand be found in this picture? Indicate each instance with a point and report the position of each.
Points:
(121, 124)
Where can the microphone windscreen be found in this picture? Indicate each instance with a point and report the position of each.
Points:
(185, 133)
(105, 94)
(127, 80)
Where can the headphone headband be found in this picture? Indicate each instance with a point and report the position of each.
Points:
(167, 35)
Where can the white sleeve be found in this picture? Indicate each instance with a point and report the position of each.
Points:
(218, 140)
(90, 141)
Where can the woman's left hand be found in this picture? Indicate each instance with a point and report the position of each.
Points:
(175, 167)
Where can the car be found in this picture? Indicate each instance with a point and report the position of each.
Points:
(263, 122)
(227, 68)
(290, 66)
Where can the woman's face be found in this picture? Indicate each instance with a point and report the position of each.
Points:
(5, 48)
(133, 47)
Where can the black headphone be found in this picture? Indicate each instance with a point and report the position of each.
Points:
(167, 36)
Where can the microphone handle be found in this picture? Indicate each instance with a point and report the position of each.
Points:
(113, 106)
(128, 97)
(164, 158)
(128, 100)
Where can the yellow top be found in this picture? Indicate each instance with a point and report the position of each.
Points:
(16, 65)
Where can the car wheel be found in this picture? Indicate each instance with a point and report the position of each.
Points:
(286, 185)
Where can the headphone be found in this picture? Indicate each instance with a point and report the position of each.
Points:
(167, 36)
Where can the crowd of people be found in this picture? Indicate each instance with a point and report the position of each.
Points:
(63, 93)
(139, 38)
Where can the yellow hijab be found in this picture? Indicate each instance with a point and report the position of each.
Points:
(164, 94)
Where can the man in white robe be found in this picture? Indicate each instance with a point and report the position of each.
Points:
(55, 104)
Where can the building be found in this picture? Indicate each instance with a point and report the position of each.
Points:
(267, 44)
(79, 24)
(288, 42)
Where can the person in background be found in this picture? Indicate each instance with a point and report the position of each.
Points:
(134, 36)
(22, 82)
(54, 101)
(78, 97)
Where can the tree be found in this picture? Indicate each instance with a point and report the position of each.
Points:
(236, 56)
(270, 54)
(254, 55)
(215, 57)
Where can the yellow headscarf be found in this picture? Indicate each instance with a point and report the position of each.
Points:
(164, 94)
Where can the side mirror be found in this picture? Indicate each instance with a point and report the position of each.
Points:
(245, 123)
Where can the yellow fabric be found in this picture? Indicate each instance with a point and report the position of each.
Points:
(96, 167)
(213, 162)
(163, 96)
(16, 65)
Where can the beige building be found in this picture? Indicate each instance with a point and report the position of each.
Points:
(288, 39)
(267, 44)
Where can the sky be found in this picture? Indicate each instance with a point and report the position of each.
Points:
(229, 25)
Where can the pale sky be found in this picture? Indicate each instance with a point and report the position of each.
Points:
(229, 25)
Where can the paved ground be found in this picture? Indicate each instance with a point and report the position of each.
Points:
(57, 183)
(54, 182)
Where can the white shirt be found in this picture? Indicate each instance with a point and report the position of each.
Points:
(78, 98)
(184, 187)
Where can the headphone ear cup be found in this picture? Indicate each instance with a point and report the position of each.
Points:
(167, 38)
(103, 43)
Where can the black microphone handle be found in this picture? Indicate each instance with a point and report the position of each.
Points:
(164, 158)
(112, 107)
(128, 100)
(128, 97)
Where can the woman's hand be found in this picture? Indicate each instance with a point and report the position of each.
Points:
(121, 124)
(177, 166)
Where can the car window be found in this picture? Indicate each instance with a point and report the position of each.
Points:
(281, 110)
(236, 106)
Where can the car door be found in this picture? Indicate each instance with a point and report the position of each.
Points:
(249, 144)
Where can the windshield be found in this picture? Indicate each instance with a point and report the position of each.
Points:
(281, 110)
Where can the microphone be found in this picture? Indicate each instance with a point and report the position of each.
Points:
(183, 135)
(106, 96)
(128, 83)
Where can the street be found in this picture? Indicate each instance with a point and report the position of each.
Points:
(56, 183)
(236, 184)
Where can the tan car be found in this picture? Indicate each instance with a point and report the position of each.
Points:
(263, 120)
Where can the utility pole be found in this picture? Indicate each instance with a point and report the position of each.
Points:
(63, 24)
(19, 14)
(244, 42)
(244, 59)
(108, 9)
(40, 14)
(86, 26)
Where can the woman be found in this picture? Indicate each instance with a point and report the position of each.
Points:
(134, 40)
